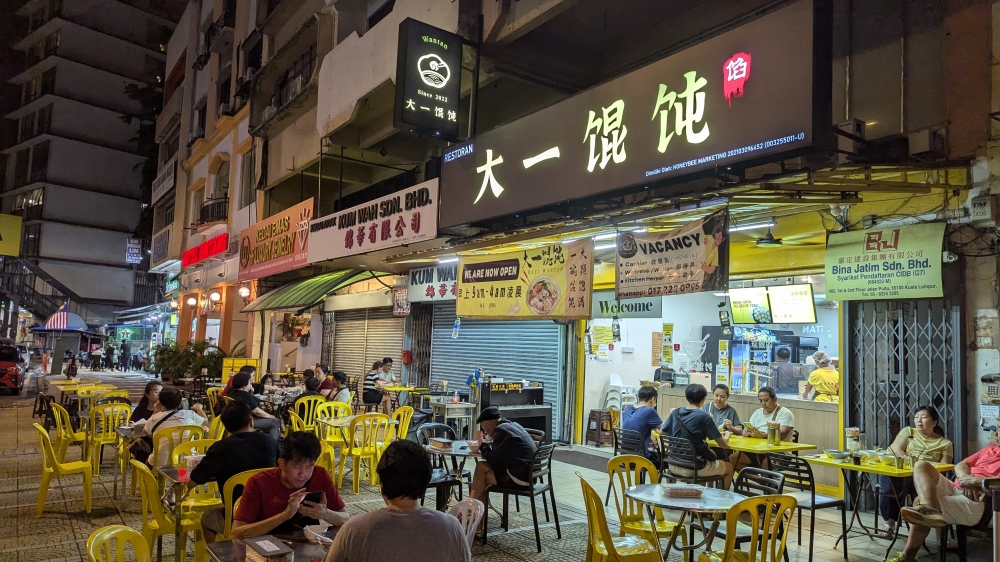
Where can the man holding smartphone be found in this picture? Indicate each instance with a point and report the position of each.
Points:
(295, 494)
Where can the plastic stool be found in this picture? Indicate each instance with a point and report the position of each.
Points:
(599, 428)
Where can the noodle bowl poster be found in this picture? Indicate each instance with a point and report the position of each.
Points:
(553, 281)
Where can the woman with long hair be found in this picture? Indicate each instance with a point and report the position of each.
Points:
(924, 440)
(150, 396)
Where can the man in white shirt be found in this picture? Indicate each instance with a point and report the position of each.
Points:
(387, 376)
(168, 413)
(769, 411)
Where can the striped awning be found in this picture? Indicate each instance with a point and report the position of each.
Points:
(307, 293)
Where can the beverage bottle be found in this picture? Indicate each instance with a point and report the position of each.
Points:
(457, 326)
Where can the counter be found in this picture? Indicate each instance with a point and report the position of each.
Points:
(818, 423)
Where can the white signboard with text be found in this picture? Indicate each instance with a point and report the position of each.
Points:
(430, 284)
(403, 217)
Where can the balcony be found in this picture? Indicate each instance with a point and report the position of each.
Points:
(214, 210)
(220, 35)
(32, 213)
(169, 115)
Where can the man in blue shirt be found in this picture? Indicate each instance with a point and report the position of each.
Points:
(643, 418)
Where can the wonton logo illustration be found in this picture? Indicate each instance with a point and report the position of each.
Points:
(303, 227)
(735, 73)
(433, 71)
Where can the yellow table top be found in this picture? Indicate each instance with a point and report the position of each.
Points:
(869, 466)
(759, 445)
(397, 388)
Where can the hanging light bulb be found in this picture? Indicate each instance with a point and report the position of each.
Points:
(243, 292)
(174, 304)
(215, 297)
(192, 301)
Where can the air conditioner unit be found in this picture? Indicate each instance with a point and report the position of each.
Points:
(269, 112)
(296, 86)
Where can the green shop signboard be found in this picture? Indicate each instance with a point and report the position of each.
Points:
(902, 262)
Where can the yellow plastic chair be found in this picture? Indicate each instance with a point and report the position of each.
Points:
(65, 436)
(213, 394)
(227, 492)
(328, 458)
(296, 422)
(334, 410)
(630, 470)
(51, 465)
(601, 546)
(305, 408)
(167, 438)
(216, 430)
(768, 518)
(104, 420)
(100, 548)
(362, 448)
(116, 394)
(201, 498)
(158, 521)
(403, 415)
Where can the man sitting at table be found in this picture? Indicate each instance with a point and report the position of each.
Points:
(430, 536)
(274, 501)
(769, 411)
(244, 449)
(312, 383)
(261, 419)
(643, 418)
(696, 426)
(941, 502)
(168, 413)
(506, 459)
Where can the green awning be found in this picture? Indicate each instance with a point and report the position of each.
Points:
(307, 293)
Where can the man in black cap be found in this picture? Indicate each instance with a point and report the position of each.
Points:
(507, 457)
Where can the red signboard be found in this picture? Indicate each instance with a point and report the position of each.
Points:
(205, 250)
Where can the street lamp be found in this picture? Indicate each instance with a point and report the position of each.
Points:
(215, 297)
(192, 301)
(243, 292)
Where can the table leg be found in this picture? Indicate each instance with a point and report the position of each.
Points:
(178, 489)
(897, 527)
(118, 461)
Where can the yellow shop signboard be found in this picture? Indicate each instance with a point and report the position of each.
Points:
(553, 281)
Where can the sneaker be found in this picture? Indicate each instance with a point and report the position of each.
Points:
(923, 515)
(897, 558)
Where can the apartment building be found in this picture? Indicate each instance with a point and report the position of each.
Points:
(75, 174)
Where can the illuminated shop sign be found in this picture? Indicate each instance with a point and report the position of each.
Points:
(205, 250)
(428, 79)
(277, 244)
(753, 94)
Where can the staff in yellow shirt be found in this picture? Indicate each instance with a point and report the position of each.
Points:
(825, 379)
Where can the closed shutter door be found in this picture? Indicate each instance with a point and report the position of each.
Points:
(513, 349)
(362, 337)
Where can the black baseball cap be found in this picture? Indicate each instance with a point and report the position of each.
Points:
(491, 413)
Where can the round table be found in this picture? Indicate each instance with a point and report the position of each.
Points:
(713, 502)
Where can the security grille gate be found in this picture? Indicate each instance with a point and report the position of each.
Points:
(361, 337)
(904, 354)
(513, 349)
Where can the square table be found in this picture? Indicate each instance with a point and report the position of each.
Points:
(865, 471)
(303, 549)
(459, 450)
(176, 482)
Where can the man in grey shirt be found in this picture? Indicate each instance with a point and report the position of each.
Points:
(404, 529)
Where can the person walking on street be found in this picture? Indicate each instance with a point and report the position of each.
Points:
(126, 356)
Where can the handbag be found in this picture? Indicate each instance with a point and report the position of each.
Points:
(144, 446)
(699, 444)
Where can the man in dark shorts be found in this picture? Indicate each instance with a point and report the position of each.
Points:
(507, 458)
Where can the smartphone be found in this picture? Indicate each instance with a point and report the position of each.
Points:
(748, 426)
(314, 497)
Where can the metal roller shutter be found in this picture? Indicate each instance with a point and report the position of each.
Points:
(512, 349)
(362, 337)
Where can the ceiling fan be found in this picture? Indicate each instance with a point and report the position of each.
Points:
(806, 239)
(769, 241)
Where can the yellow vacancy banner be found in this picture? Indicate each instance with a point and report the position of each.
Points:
(10, 235)
(553, 281)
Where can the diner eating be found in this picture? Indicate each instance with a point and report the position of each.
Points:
(643, 418)
(295, 494)
(507, 450)
(241, 391)
(695, 425)
(168, 413)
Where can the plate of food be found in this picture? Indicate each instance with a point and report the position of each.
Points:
(543, 295)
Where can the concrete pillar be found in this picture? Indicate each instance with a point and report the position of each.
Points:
(185, 313)
(230, 302)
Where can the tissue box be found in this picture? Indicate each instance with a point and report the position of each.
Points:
(268, 549)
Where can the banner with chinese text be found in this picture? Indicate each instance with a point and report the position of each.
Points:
(902, 262)
(437, 283)
(553, 281)
(689, 259)
(403, 217)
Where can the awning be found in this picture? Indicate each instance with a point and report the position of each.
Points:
(307, 293)
(140, 312)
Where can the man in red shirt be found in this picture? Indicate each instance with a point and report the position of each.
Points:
(274, 501)
(941, 502)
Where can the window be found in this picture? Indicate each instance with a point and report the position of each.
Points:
(294, 79)
(197, 199)
(31, 239)
(39, 161)
(27, 127)
(44, 120)
(168, 214)
(51, 45)
(48, 84)
(32, 198)
(380, 13)
(21, 162)
(247, 179)
(221, 188)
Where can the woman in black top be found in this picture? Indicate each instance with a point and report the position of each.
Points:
(150, 396)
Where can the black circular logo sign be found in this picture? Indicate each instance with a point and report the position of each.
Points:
(627, 247)
(245, 252)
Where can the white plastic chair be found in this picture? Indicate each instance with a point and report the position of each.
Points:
(469, 513)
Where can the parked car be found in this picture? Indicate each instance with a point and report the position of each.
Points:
(25, 353)
(12, 368)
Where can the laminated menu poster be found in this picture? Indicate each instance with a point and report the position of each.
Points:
(552, 281)
(902, 262)
(689, 259)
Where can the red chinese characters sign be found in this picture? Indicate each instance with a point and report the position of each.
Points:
(279, 243)
(401, 218)
(205, 250)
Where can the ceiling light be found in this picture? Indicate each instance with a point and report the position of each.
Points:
(720, 294)
(192, 301)
(174, 304)
(767, 224)
(605, 246)
(570, 241)
(606, 236)
(640, 230)
(215, 297)
(448, 260)
(243, 292)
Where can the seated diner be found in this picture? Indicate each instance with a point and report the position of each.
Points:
(643, 418)
(696, 426)
(262, 420)
(168, 413)
(506, 458)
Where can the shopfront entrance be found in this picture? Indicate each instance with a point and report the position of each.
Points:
(363, 336)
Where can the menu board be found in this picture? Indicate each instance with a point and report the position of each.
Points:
(552, 281)
(792, 304)
(750, 306)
